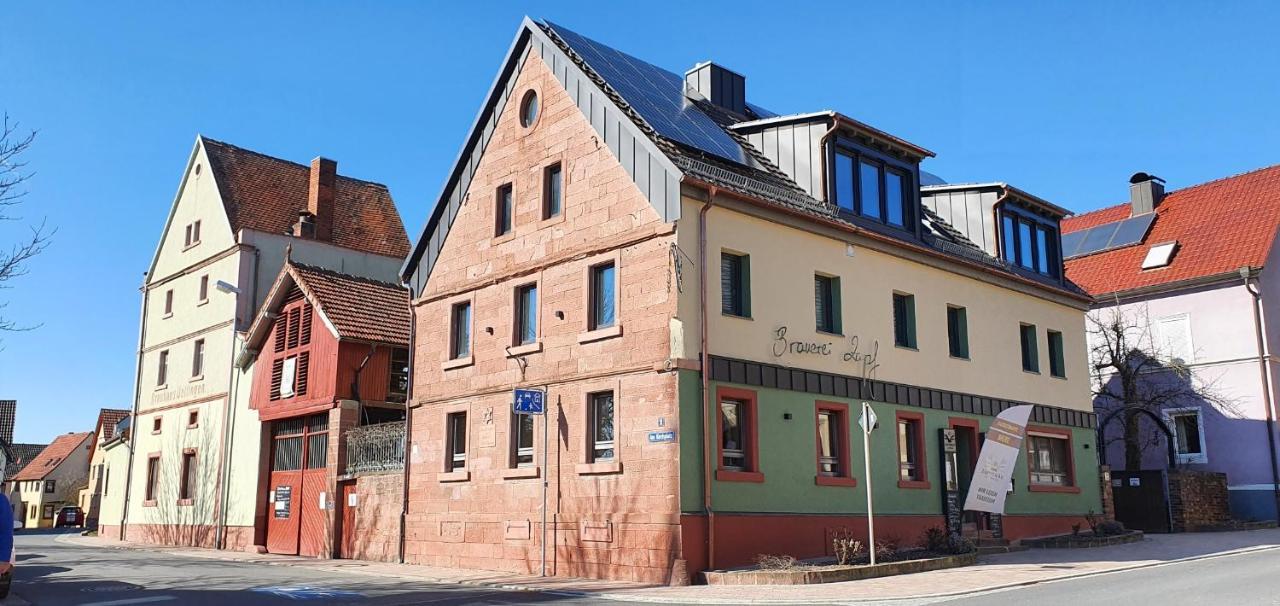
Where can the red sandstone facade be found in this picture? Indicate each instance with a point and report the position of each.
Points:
(619, 519)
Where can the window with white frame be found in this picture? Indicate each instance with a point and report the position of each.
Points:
(1175, 338)
(1187, 425)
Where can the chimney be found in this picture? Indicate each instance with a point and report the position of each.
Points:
(306, 226)
(719, 85)
(1145, 193)
(324, 172)
(8, 414)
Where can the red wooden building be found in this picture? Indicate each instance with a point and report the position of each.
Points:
(332, 360)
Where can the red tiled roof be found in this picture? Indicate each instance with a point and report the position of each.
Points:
(265, 193)
(51, 457)
(1220, 226)
(359, 308)
(107, 420)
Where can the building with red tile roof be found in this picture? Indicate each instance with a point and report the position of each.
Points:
(1193, 272)
(53, 478)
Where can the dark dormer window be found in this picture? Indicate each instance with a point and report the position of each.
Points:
(1030, 243)
(869, 187)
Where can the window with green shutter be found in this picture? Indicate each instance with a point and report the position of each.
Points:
(826, 303)
(735, 284)
(958, 331)
(904, 320)
(1030, 352)
(1057, 364)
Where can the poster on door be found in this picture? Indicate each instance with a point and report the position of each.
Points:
(991, 478)
(284, 498)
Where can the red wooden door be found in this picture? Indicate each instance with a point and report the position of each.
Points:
(347, 504)
(296, 521)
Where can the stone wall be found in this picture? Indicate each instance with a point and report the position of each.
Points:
(377, 517)
(1198, 500)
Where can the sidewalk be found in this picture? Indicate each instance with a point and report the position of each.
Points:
(992, 572)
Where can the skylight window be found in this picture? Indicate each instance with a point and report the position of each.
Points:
(1159, 255)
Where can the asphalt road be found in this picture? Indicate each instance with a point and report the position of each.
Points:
(1233, 580)
(52, 573)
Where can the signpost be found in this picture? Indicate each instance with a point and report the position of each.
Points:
(867, 421)
(534, 402)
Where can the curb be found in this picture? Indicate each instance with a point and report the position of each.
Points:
(625, 597)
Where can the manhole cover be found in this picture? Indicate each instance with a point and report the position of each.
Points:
(111, 588)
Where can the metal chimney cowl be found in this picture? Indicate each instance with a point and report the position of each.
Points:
(1145, 193)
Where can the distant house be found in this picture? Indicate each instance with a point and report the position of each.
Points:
(1196, 271)
(53, 478)
(90, 497)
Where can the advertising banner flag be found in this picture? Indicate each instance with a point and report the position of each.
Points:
(995, 464)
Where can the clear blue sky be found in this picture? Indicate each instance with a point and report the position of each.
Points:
(1063, 101)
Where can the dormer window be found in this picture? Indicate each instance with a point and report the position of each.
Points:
(868, 187)
(1029, 243)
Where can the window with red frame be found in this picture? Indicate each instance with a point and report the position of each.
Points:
(832, 422)
(912, 470)
(290, 371)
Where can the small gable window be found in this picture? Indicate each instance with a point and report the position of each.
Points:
(192, 236)
(529, 109)
(1159, 255)
(869, 187)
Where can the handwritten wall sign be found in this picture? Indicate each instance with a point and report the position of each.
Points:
(860, 354)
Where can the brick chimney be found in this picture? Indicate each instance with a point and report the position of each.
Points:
(324, 173)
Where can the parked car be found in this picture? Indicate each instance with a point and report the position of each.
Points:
(69, 516)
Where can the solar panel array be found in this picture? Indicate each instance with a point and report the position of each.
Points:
(1107, 236)
(657, 95)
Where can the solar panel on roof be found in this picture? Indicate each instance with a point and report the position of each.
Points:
(657, 95)
(1107, 236)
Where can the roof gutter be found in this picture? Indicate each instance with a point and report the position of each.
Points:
(871, 235)
(1120, 296)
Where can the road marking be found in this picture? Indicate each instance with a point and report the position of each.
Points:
(157, 598)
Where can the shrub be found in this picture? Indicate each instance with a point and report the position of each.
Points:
(845, 547)
(958, 545)
(936, 540)
(1109, 528)
(775, 562)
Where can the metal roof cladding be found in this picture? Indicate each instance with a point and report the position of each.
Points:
(657, 95)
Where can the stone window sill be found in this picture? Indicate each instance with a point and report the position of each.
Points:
(201, 302)
(199, 377)
(727, 475)
(186, 502)
(835, 481)
(914, 484)
(151, 503)
(166, 316)
(454, 476)
(600, 334)
(603, 467)
(1053, 488)
(458, 363)
(527, 348)
(521, 473)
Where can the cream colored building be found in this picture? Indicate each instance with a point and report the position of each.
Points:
(90, 500)
(53, 479)
(194, 454)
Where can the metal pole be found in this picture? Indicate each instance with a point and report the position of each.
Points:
(545, 472)
(866, 460)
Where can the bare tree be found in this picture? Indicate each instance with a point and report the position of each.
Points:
(1134, 372)
(13, 176)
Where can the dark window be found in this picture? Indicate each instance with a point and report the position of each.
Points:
(529, 109)
(1050, 460)
(831, 444)
(733, 431)
(527, 314)
(1186, 431)
(869, 189)
(456, 427)
(193, 418)
(156, 424)
(460, 331)
(504, 208)
(1025, 242)
(522, 440)
(50, 486)
(168, 302)
(1030, 350)
(48, 512)
(153, 477)
(826, 303)
(552, 191)
(958, 331)
(1029, 244)
(904, 320)
(1057, 363)
(844, 182)
(195, 232)
(197, 358)
(188, 481)
(602, 427)
(398, 383)
(1042, 250)
(318, 448)
(603, 291)
(909, 450)
(734, 284)
(204, 288)
(162, 373)
(1010, 239)
(895, 197)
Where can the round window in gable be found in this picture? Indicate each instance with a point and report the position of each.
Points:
(529, 109)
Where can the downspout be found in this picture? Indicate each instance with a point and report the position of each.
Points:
(408, 425)
(826, 158)
(708, 418)
(133, 416)
(1245, 273)
(228, 416)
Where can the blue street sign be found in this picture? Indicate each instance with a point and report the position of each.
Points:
(661, 437)
(529, 401)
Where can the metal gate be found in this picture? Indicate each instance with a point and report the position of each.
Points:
(1142, 499)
